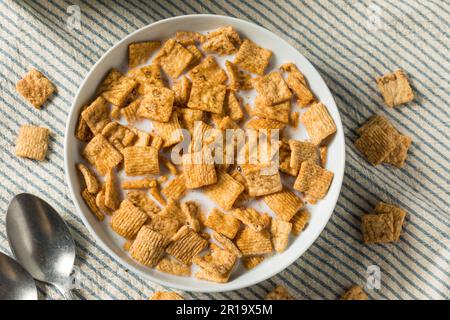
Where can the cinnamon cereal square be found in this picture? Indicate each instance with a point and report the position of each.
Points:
(376, 144)
(318, 123)
(252, 57)
(140, 161)
(297, 83)
(35, 88)
(128, 219)
(313, 180)
(223, 41)
(174, 58)
(225, 191)
(170, 131)
(157, 104)
(302, 151)
(186, 244)
(147, 77)
(140, 52)
(395, 88)
(101, 154)
(262, 180)
(222, 223)
(148, 247)
(397, 213)
(208, 71)
(199, 170)
(378, 228)
(251, 242)
(96, 115)
(279, 111)
(285, 204)
(116, 88)
(32, 142)
(272, 88)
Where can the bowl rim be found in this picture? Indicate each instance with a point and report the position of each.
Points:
(219, 287)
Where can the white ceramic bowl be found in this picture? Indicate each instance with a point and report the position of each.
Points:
(283, 52)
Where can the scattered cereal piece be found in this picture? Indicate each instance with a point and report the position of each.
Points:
(313, 180)
(297, 83)
(148, 247)
(376, 144)
(189, 117)
(223, 41)
(174, 267)
(222, 223)
(198, 55)
(279, 293)
(302, 151)
(182, 90)
(175, 189)
(397, 213)
(118, 135)
(145, 183)
(279, 112)
(169, 220)
(142, 138)
(192, 213)
(207, 97)
(115, 113)
(147, 77)
(100, 201)
(217, 260)
(128, 219)
(198, 170)
(96, 115)
(285, 204)
(395, 88)
(285, 159)
(272, 88)
(130, 112)
(141, 160)
(225, 191)
(89, 177)
(82, 131)
(299, 221)
(186, 244)
(89, 199)
(157, 142)
(112, 200)
(250, 217)
(190, 36)
(238, 79)
(140, 52)
(174, 58)
(232, 106)
(318, 123)
(143, 202)
(378, 228)
(159, 295)
(158, 197)
(280, 230)
(262, 179)
(32, 142)
(170, 131)
(323, 150)
(355, 293)
(252, 57)
(251, 242)
(250, 262)
(35, 88)
(227, 244)
(157, 104)
(208, 71)
(116, 88)
(261, 124)
(398, 156)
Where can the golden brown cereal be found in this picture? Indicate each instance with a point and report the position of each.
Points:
(157, 104)
(376, 144)
(140, 52)
(169, 165)
(127, 245)
(238, 79)
(147, 77)
(262, 179)
(323, 150)
(112, 196)
(397, 213)
(145, 183)
(192, 213)
(175, 189)
(217, 260)
(223, 41)
(318, 123)
(182, 89)
(227, 244)
(252, 58)
(250, 262)
(174, 267)
(243, 197)
(89, 199)
(142, 138)
(199, 170)
(189, 35)
(186, 244)
(141, 160)
(118, 135)
(130, 112)
(285, 204)
(285, 159)
(128, 219)
(355, 293)
(395, 88)
(377, 120)
(159, 295)
(250, 217)
(225, 191)
(82, 131)
(266, 220)
(189, 117)
(203, 134)
(170, 131)
(302, 151)
(397, 157)
(115, 113)
(279, 293)
(148, 247)
(251, 242)
(272, 88)
(198, 55)
(97, 115)
(232, 106)
(100, 201)
(35, 88)
(294, 119)
(162, 179)
(207, 97)
(174, 58)
(116, 88)
(279, 112)
(32, 142)
(158, 197)
(299, 221)
(143, 202)
(169, 220)
(313, 180)
(227, 123)
(260, 123)
(157, 142)
(222, 223)
(208, 71)
(297, 83)
(280, 230)
(212, 276)
(378, 228)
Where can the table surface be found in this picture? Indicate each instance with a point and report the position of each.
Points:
(350, 43)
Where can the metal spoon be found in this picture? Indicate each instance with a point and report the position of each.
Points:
(41, 241)
(15, 282)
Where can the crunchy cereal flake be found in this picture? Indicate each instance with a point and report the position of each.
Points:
(378, 228)
(251, 242)
(148, 247)
(186, 244)
(141, 160)
(302, 151)
(35, 88)
(395, 88)
(97, 115)
(174, 267)
(140, 52)
(222, 223)
(313, 180)
(174, 58)
(272, 88)
(116, 88)
(128, 219)
(252, 58)
(397, 213)
(89, 199)
(280, 230)
(285, 204)
(32, 142)
(318, 123)
(225, 191)
(157, 104)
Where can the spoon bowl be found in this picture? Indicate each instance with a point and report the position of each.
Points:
(15, 282)
(41, 241)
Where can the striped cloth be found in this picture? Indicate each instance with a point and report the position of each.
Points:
(350, 43)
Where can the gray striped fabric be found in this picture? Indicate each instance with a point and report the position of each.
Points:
(350, 43)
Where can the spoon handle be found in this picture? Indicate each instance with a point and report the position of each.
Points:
(68, 294)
